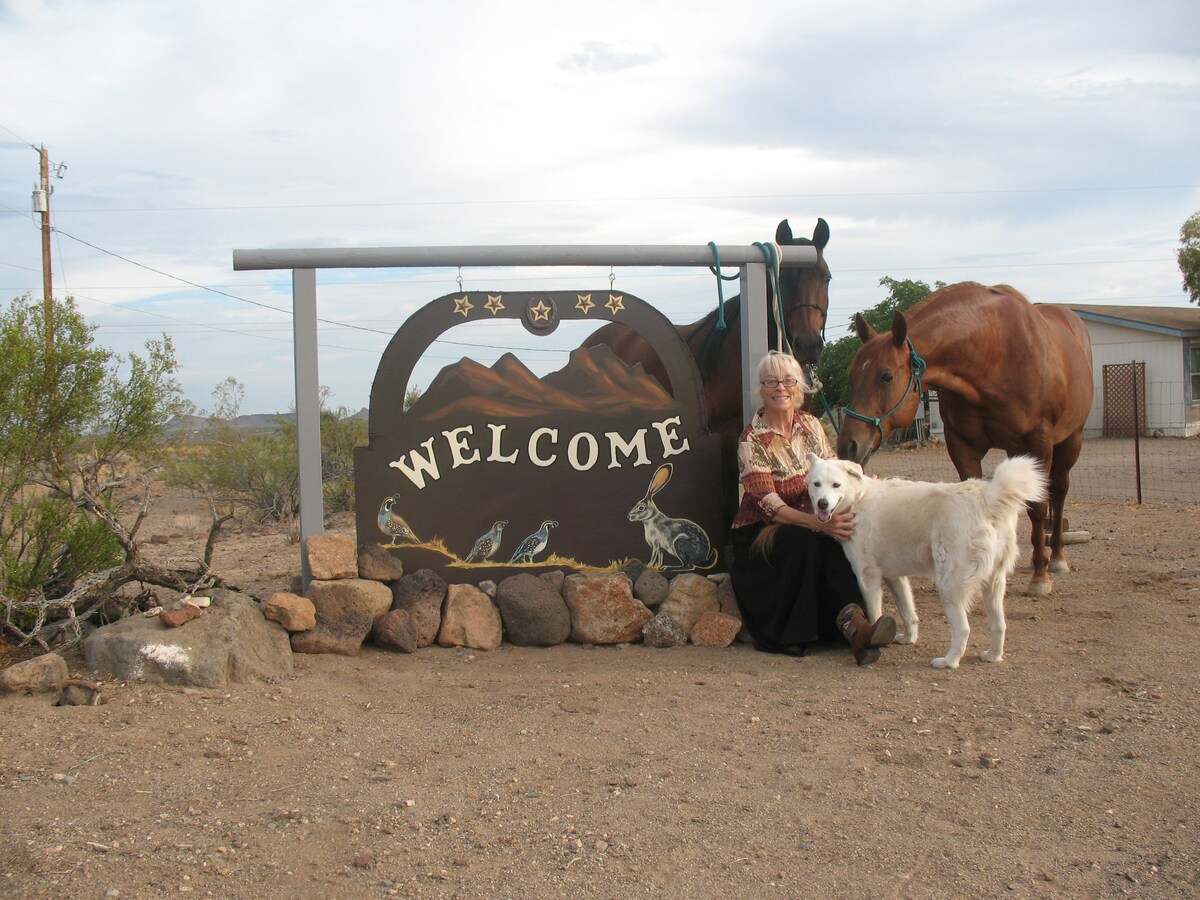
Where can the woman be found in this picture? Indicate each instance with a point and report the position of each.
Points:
(800, 587)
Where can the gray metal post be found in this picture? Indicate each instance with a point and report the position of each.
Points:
(308, 411)
(754, 332)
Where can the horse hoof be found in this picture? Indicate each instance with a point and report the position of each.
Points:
(1039, 588)
(1058, 566)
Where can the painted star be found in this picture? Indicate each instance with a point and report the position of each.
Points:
(584, 304)
(463, 305)
(541, 312)
(616, 303)
(494, 304)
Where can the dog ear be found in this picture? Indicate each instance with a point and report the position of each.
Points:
(854, 470)
(813, 459)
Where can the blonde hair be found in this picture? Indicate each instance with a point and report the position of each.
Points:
(777, 364)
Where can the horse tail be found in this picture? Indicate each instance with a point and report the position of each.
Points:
(765, 540)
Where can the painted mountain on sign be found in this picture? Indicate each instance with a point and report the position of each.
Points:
(593, 381)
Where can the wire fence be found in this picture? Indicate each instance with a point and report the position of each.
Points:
(1115, 464)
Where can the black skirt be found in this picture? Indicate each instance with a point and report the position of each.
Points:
(793, 596)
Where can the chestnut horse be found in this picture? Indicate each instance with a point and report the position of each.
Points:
(718, 352)
(1008, 374)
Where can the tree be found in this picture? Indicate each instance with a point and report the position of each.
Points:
(834, 368)
(72, 417)
(1189, 256)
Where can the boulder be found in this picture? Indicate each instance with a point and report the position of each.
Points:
(715, 629)
(331, 556)
(663, 631)
(41, 674)
(333, 600)
(533, 611)
(421, 594)
(343, 635)
(651, 587)
(231, 642)
(294, 613)
(470, 619)
(688, 598)
(377, 564)
(396, 631)
(603, 609)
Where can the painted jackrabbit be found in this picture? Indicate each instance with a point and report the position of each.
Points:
(681, 538)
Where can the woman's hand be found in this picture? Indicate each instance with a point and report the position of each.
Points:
(839, 526)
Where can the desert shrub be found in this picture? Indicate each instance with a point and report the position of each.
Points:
(72, 416)
(254, 473)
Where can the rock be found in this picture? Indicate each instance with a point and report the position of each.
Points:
(663, 631)
(728, 603)
(377, 564)
(603, 609)
(533, 611)
(333, 600)
(555, 579)
(470, 619)
(78, 693)
(632, 570)
(231, 642)
(715, 629)
(422, 594)
(651, 587)
(343, 636)
(173, 618)
(688, 598)
(292, 612)
(41, 674)
(331, 556)
(395, 630)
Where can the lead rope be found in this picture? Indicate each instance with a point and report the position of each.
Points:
(771, 255)
(715, 268)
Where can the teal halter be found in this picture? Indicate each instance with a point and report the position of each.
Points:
(915, 377)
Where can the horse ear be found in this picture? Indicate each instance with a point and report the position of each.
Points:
(783, 234)
(821, 234)
(899, 329)
(863, 328)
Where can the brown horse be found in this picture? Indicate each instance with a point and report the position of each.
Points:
(718, 352)
(1008, 374)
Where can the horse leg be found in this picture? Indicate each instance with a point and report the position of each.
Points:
(1039, 581)
(1066, 455)
(967, 459)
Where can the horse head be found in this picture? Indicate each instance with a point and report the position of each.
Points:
(805, 293)
(885, 388)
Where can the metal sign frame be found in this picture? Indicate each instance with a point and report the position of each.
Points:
(304, 263)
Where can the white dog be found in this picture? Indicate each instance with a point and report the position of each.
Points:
(962, 535)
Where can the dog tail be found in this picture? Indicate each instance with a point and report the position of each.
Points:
(1016, 481)
(763, 543)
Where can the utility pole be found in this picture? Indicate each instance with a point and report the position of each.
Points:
(41, 204)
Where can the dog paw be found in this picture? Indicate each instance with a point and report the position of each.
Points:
(905, 637)
(943, 662)
(989, 656)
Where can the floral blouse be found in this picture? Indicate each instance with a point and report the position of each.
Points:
(772, 467)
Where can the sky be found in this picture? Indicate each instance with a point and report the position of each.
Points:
(1053, 146)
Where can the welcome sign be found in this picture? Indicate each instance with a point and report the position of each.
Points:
(494, 471)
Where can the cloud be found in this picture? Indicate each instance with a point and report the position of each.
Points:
(600, 58)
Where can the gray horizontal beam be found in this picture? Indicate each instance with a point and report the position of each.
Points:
(514, 255)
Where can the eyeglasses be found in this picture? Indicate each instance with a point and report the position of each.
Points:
(776, 382)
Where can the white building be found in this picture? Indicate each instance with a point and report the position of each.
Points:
(1157, 349)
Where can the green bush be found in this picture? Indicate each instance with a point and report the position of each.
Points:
(72, 417)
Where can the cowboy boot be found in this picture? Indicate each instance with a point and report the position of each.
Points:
(865, 639)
